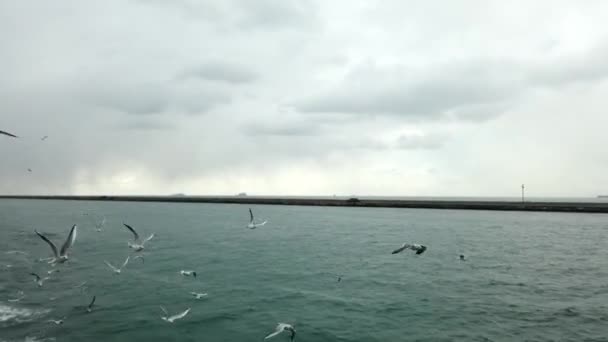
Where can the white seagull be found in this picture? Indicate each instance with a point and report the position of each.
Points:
(20, 296)
(283, 327)
(198, 295)
(136, 245)
(188, 273)
(99, 225)
(252, 224)
(118, 270)
(62, 255)
(173, 318)
(38, 280)
(415, 247)
(58, 322)
(90, 307)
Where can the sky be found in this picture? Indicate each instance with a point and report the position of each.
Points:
(304, 97)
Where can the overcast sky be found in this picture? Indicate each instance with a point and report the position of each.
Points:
(304, 97)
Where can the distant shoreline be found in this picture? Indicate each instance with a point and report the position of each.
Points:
(578, 207)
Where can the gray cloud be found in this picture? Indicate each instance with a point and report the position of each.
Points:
(395, 90)
(220, 71)
(421, 141)
(147, 125)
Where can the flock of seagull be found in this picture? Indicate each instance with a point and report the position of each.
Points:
(60, 256)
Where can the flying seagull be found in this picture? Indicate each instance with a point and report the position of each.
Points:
(99, 225)
(415, 247)
(198, 295)
(462, 258)
(283, 327)
(61, 256)
(118, 270)
(8, 134)
(252, 224)
(136, 245)
(90, 307)
(58, 322)
(44, 137)
(188, 273)
(171, 319)
(20, 296)
(38, 280)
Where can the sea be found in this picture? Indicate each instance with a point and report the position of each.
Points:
(328, 271)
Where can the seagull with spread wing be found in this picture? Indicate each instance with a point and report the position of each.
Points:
(115, 269)
(62, 255)
(252, 224)
(415, 247)
(40, 281)
(283, 327)
(173, 318)
(137, 245)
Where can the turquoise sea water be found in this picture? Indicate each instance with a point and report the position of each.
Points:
(528, 276)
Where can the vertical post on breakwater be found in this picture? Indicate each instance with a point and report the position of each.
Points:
(522, 193)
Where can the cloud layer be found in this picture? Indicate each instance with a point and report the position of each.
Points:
(304, 97)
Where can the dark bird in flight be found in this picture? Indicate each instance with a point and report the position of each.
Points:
(8, 134)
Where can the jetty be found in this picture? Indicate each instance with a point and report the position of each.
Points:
(574, 207)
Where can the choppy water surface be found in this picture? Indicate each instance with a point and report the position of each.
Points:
(528, 276)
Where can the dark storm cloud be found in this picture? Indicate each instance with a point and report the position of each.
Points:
(220, 71)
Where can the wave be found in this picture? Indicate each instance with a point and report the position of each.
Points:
(19, 315)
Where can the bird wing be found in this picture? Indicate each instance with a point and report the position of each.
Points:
(92, 302)
(50, 243)
(103, 221)
(261, 224)
(250, 215)
(181, 315)
(401, 249)
(148, 239)
(136, 236)
(37, 276)
(111, 266)
(8, 134)
(164, 310)
(70, 240)
(277, 331)
(126, 262)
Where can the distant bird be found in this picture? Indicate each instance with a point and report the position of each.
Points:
(61, 256)
(462, 257)
(118, 270)
(58, 322)
(29, 170)
(198, 295)
(283, 327)
(339, 279)
(252, 224)
(38, 280)
(173, 318)
(188, 273)
(136, 245)
(20, 296)
(8, 134)
(415, 247)
(44, 137)
(99, 225)
(90, 307)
